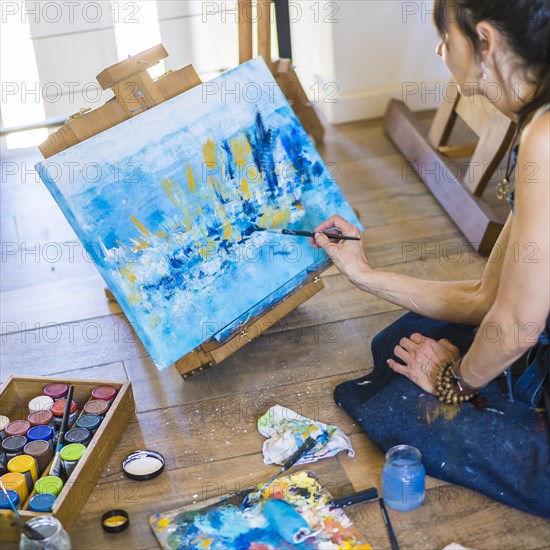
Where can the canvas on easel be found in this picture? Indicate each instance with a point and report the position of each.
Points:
(167, 204)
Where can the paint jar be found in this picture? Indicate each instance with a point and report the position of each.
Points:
(58, 409)
(40, 418)
(41, 451)
(14, 497)
(4, 421)
(26, 465)
(16, 482)
(44, 433)
(96, 406)
(48, 484)
(40, 403)
(42, 503)
(17, 427)
(13, 446)
(89, 421)
(57, 390)
(78, 435)
(403, 478)
(3, 467)
(106, 393)
(70, 455)
(52, 530)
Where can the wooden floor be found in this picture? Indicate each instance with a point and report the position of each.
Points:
(206, 426)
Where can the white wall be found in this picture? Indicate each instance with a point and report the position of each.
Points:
(377, 49)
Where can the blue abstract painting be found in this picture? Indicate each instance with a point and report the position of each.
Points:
(168, 202)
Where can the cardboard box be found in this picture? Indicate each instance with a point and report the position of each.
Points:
(15, 394)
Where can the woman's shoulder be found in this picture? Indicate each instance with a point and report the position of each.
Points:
(535, 139)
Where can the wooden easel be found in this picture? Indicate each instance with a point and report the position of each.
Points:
(134, 92)
(282, 69)
(430, 156)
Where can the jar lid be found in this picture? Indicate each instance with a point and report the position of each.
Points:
(14, 479)
(96, 406)
(77, 435)
(4, 421)
(48, 484)
(56, 390)
(89, 421)
(38, 418)
(42, 502)
(58, 408)
(104, 392)
(14, 497)
(17, 427)
(115, 521)
(40, 432)
(73, 451)
(37, 448)
(40, 403)
(21, 463)
(14, 443)
(143, 465)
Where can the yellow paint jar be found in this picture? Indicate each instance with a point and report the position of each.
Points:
(18, 483)
(26, 465)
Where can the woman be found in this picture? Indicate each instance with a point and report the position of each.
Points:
(460, 337)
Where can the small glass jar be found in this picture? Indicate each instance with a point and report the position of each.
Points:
(70, 455)
(48, 484)
(13, 446)
(40, 418)
(17, 427)
(40, 403)
(403, 478)
(40, 450)
(4, 421)
(56, 538)
(89, 421)
(78, 435)
(44, 433)
(96, 406)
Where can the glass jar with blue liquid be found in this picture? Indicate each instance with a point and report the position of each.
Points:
(403, 478)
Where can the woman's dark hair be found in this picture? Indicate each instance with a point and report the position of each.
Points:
(525, 24)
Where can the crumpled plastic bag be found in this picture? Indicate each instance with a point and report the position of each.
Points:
(287, 430)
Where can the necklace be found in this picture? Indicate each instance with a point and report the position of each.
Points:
(504, 189)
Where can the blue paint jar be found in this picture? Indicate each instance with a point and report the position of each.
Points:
(403, 478)
(89, 421)
(78, 435)
(42, 503)
(44, 433)
(14, 497)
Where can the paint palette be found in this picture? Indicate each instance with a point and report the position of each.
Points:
(220, 524)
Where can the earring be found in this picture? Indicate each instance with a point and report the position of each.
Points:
(484, 71)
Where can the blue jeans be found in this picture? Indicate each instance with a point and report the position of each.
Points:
(494, 446)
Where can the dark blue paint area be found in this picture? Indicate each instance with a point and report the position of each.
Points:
(230, 161)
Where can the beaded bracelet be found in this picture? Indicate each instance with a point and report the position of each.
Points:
(447, 381)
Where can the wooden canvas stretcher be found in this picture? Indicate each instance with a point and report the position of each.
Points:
(135, 92)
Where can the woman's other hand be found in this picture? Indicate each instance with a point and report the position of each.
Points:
(348, 256)
(423, 358)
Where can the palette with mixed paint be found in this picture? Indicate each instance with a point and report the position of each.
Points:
(221, 524)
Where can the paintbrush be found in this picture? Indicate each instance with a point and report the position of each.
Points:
(306, 446)
(298, 233)
(27, 530)
(55, 469)
(354, 498)
(387, 522)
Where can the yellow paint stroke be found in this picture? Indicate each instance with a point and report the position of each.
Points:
(128, 274)
(154, 322)
(161, 234)
(440, 409)
(209, 154)
(245, 190)
(191, 183)
(135, 296)
(241, 150)
(275, 217)
(177, 197)
(163, 523)
(140, 226)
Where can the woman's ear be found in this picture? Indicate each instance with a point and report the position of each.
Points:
(486, 35)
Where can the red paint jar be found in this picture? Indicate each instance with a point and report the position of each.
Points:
(107, 393)
(18, 427)
(58, 409)
(57, 390)
(40, 418)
